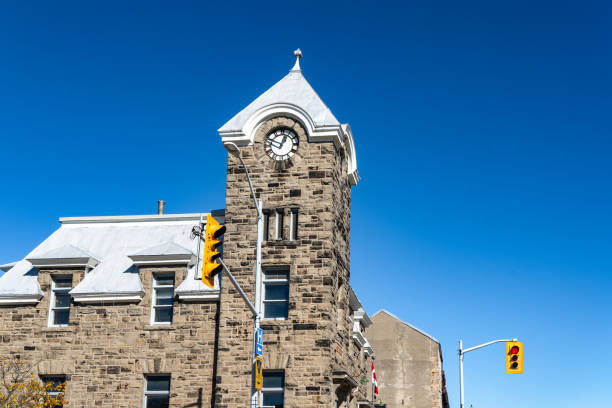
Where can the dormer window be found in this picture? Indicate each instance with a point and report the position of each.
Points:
(59, 301)
(162, 298)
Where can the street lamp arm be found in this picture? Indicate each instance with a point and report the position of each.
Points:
(246, 170)
(484, 345)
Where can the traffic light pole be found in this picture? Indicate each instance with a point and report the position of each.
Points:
(462, 351)
(235, 150)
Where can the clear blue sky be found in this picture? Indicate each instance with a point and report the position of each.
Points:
(482, 133)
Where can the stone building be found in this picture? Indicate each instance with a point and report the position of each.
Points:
(408, 364)
(114, 306)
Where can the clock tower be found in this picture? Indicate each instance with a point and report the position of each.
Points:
(302, 164)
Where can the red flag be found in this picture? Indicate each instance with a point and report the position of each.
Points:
(374, 381)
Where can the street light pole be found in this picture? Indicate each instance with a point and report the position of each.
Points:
(235, 150)
(462, 351)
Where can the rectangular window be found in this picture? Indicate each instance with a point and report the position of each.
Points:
(55, 386)
(276, 293)
(163, 298)
(273, 389)
(59, 310)
(266, 231)
(157, 391)
(279, 225)
(293, 224)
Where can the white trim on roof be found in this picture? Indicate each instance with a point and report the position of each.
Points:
(7, 266)
(162, 259)
(63, 262)
(20, 299)
(198, 295)
(134, 297)
(131, 218)
(407, 324)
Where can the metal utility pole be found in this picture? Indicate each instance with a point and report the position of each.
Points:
(235, 150)
(462, 351)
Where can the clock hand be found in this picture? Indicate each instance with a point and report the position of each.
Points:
(274, 143)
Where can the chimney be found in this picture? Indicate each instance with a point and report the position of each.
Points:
(160, 207)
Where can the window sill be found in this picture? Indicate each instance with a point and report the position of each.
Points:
(59, 329)
(162, 327)
(273, 324)
(282, 242)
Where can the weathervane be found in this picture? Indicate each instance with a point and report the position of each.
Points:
(298, 55)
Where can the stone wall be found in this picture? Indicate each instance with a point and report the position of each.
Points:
(408, 364)
(107, 349)
(313, 340)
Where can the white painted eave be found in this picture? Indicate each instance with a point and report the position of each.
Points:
(63, 262)
(20, 299)
(194, 296)
(7, 266)
(132, 218)
(127, 297)
(140, 260)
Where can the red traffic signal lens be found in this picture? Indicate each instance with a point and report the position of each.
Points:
(514, 350)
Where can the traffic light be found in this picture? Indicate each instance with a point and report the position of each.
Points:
(210, 267)
(514, 357)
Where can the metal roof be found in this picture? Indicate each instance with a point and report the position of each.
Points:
(110, 240)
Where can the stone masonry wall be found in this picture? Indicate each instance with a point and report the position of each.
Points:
(107, 349)
(306, 345)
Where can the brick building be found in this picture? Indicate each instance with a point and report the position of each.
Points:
(113, 305)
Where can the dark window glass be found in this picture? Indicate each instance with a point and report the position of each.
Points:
(273, 388)
(164, 301)
(158, 401)
(55, 380)
(277, 292)
(63, 281)
(276, 310)
(62, 299)
(273, 399)
(164, 280)
(61, 317)
(157, 394)
(273, 379)
(158, 383)
(276, 274)
(163, 315)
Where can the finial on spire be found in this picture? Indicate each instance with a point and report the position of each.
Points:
(298, 55)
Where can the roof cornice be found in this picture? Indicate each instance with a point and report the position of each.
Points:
(39, 263)
(20, 299)
(132, 218)
(125, 297)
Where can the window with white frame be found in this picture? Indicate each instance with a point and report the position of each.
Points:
(59, 302)
(163, 298)
(55, 386)
(157, 391)
(276, 293)
(273, 389)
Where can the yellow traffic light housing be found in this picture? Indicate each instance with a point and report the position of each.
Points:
(514, 357)
(210, 267)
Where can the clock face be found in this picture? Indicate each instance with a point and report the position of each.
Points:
(281, 144)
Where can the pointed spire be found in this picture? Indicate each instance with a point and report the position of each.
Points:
(298, 55)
